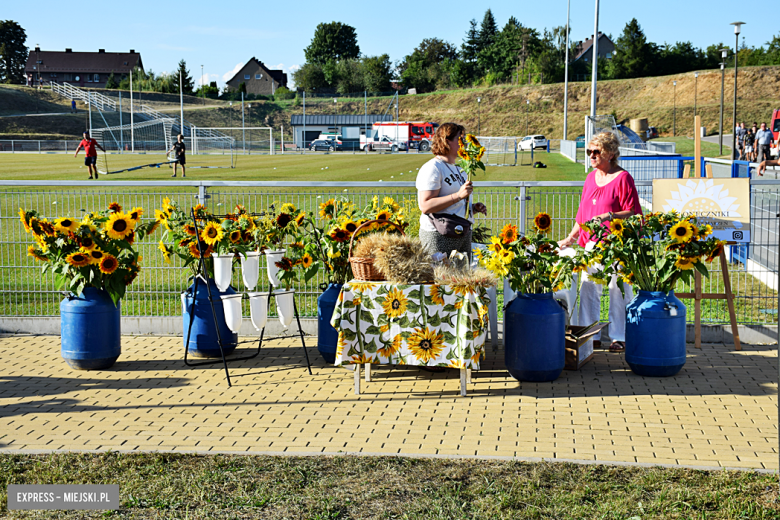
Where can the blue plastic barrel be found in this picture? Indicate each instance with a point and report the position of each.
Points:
(203, 340)
(534, 338)
(655, 334)
(327, 336)
(90, 330)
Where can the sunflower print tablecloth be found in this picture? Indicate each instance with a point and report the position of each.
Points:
(422, 324)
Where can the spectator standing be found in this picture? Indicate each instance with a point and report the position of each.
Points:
(763, 143)
(180, 159)
(741, 133)
(750, 138)
(73, 106)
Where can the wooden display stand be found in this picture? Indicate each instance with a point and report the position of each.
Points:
(697, 295)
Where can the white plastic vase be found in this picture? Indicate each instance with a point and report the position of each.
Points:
(223, 270)
(258, 309)
(285, 306)
(231, 303)
(250, 269)
(271, 257)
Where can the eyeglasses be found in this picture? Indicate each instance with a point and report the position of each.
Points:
(590, 152)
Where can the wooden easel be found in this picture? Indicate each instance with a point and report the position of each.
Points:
(697, 295)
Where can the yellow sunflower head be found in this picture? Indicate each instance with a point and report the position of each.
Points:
(95, 256)
(212, 233)
(617, 226)
(136, 214)
(165, 251)
(306, 261)
(299, 219)
(115, 207)
(543, 222)
(717, 250)
(235, 236)
(119, 226)
(78, 259)
(395, 303)
(65, 225)
(508, 234)
(685, 263)
(681, 232)
(190, 229)
(23, 216)
(426, 344)
(37, 254)
(327, 208)
(108, 264)
(288, 208)
(384, 215)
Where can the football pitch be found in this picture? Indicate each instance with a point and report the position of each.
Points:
(331, 167)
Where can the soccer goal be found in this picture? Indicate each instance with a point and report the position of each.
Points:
(596, 125)
(499, 151)
(248, 140)
(148, 137)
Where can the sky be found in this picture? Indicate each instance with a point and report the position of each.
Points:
(222, 40)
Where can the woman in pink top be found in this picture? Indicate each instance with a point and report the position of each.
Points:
(609, 193)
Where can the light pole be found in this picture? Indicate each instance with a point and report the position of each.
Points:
(566, 75)
(202, 86)
(723, 55)
(594, 74)
(674, 111)
(249, 110)
(737, 30)
(479, 117)
(527, 102)
(695, 93)
(230, 114)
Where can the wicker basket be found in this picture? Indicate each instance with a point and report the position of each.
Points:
(363, 268)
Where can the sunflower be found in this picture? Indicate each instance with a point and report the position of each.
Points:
(285, 264)
(496, 244)
(130, 238)
(87, 243)
(165, 251)
(473, 140)
(119, 226)
(78, 259)
(115, 207)
(37, 254)
(108, 264)
(436, 295)
(716, 251)
(167, 206)
(193, 247)
(283, 219)
(426, 344)
(391, 348)
(394, 304)
(185, 242)
(543, 222)
(506, 256)
(705, 231)
(289, 208)
(35, 226)
(306, 261)
(338, 234)
(161, 216)
(327, 208)
(462, 154)
(681, 232)
(617, 227)
(190, 229)
(95, 256)
(212, 233)
(47, 228)
(299, 219)
(153, 227)
(23, 218)
(481, 153)
(235, 236)
(684, 263)
(508, 234)
(545, 248)
(384, 215)
(65, 225)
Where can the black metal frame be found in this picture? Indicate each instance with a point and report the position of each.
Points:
(203, 275)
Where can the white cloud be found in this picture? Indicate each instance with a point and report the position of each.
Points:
(293, 68)
(206, 79)
(226, 76)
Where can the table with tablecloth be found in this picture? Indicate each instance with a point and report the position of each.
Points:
(420, 324)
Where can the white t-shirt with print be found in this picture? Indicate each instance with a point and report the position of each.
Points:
(438, 174)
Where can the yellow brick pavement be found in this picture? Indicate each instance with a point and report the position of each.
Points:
(720, 411)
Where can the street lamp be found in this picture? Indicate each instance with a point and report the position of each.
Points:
(479, 118)
(695, 92)
(737, 30)
(723, 55)
(674, 111)
(230, 114)
(334, 115)
(202, 86)
(527, 102)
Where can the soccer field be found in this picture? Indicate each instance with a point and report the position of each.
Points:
(334, 167)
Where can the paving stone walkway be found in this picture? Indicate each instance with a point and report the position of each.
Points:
(720, 411)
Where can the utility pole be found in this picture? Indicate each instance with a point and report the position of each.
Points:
(674, 113)
(737, 29)
(723, 54)
(566, 75)
(202, 86)
(132, 132)
(594, 75)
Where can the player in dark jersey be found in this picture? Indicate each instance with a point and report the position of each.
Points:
(179, 148)
(89, 146)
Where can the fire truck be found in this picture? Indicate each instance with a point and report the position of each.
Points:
(417, 135)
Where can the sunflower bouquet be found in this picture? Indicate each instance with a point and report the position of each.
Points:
(96, 251)
(470, 154)
(531, 263)
(653, 251)
(337, 221)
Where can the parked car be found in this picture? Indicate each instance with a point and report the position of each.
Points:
(580, 141)
(385, 143)
(329, 145)
(652, 132)
(532, 141)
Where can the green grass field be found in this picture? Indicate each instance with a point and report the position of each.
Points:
(341, 167)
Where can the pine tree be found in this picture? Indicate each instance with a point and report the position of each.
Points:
(187, 84)
(633, 54)
(487, 31)
(13, 52)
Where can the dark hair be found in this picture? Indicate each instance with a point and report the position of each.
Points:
(443, 134)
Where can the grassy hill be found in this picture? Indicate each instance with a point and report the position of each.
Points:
(503, 109)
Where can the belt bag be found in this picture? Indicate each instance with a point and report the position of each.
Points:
(449, 225)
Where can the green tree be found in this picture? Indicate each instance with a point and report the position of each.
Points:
(13, 52)
(429, 66)
(634, 54)
(332, 42)
(310, 77)
(111, 82)
(487, 31)
(349, 76)
(187, 85)
(377, 73)
(465, 70)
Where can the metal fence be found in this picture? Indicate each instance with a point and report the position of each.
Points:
(569, 149)
(24, 291)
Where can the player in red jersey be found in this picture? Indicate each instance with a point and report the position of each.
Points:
(89, 146)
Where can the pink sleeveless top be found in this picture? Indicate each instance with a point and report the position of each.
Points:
(619, 195)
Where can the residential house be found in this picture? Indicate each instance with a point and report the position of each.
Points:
(584, 50)
(259, 79)
(81, 69)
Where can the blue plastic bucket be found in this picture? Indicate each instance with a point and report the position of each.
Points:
(655, 334)
(534, 338)
(327, 336)
(90, 330)
(203, 340)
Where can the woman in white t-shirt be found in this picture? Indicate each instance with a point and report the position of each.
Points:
(442, 188)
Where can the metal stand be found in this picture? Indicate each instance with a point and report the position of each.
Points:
(203, 275)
